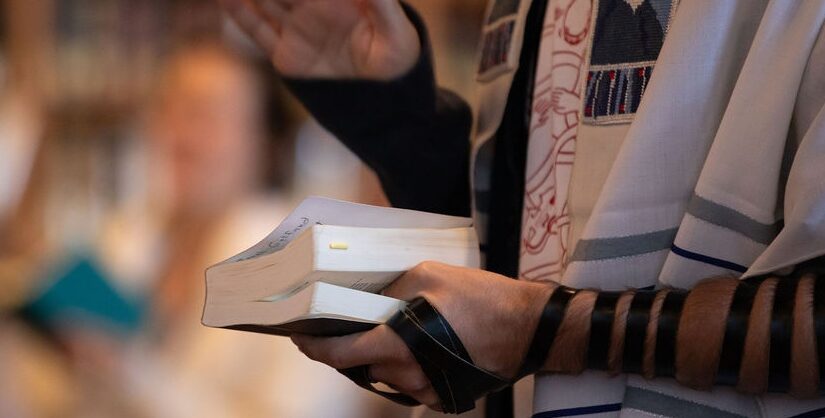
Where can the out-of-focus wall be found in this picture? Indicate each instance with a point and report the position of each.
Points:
(455, 26)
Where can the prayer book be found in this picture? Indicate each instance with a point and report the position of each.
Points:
(321, 270)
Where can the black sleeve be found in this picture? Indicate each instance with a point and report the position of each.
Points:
(412, 134)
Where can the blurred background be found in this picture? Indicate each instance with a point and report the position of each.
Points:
(141, 141)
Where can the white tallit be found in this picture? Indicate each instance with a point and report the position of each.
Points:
(728, 144)
(722, 170)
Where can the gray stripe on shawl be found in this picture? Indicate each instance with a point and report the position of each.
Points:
(669, 406)
(731, 219)
(606, 248)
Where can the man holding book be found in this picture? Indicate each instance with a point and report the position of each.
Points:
(687, 207)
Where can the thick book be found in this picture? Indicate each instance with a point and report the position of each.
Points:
(321, 270)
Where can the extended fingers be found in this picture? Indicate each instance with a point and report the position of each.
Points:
(388, 15)
(273, 10)
(253, 21)
(401, 376)
(406, 378)
(390, 360)
(379, 345)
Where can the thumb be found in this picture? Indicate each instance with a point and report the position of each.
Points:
(395, 45)
(387, 15)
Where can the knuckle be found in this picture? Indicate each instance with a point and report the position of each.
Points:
(430, 399)
(418, 383)
(435, 405)
(335, 360)
(307, 350)
(313, 355)
(422, 270)
(314, 352)
(405, 356)
(426, 265)
(409, 385)
(427, 275)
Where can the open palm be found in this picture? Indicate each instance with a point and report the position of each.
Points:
(370, 39)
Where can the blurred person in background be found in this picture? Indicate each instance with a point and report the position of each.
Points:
(205, 131)
(194, 196)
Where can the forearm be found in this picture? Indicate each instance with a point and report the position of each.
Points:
(413, 135)
(759, 336)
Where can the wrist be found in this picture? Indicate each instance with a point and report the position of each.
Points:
(530, 297)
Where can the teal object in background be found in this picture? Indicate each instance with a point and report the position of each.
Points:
(81, 295)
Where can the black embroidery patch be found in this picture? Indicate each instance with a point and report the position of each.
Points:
(496, 47)
(627, 39)
(498, 39)
(614, 94)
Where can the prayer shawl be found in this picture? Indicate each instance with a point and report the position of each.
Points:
(722, 171)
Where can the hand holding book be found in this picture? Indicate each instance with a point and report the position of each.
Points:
(314, 276)
(474, 302)
(315, 273)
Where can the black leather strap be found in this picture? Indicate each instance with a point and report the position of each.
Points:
(426, 316)
(436, 325)
(442, 356)
(548, 326)
(781, 324)
(666, 331)
(638, 318)
(736, 329)
(601, 329)
(360, 375)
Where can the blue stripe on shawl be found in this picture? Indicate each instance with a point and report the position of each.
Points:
(583, 410)
(718, 262)
(816, 413)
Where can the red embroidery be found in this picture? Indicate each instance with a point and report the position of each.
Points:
(554, 123)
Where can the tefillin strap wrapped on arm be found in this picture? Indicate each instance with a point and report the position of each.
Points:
(738, 323)
(458, 382)
(454, 377)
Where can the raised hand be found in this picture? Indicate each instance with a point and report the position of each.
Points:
(367, 39)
